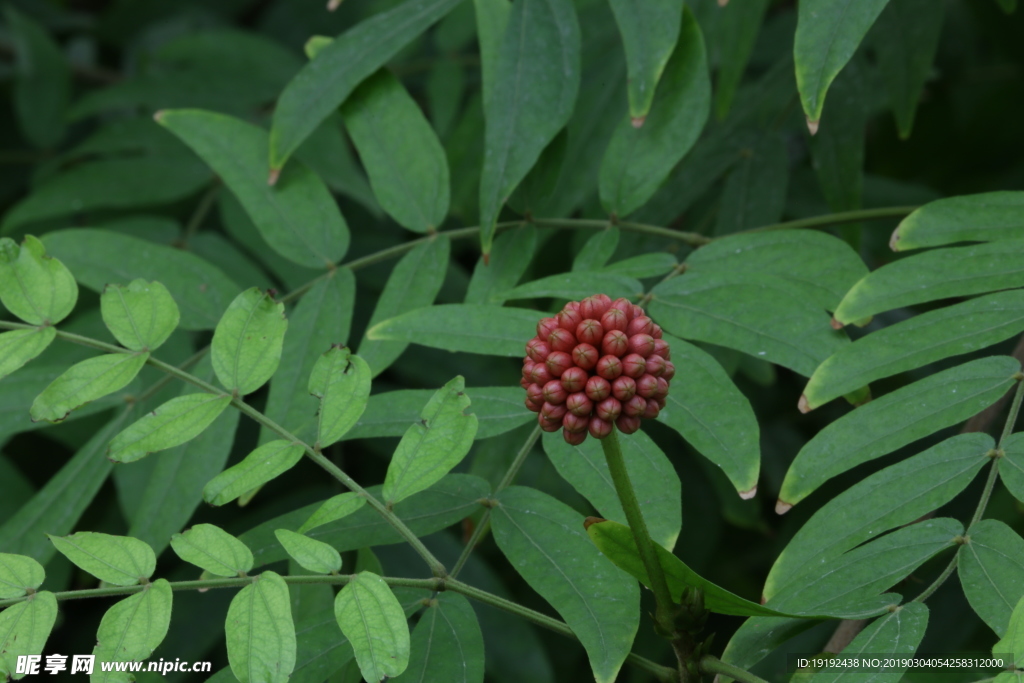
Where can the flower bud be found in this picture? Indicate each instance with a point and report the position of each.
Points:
(569, 319)
(574, 379)
(661, 349)
(609, 367)
(553, 412)
(527, 367)
(548, 425)
(574, 438)
(646, 386)
(524, 383)
(614, 343)
(624, 388)
(641, 344)
(558, 362)
(625, 306)
(590, 331)
(614, 319)
(640, 325)
(656, 332)
(598, 388)
(634, 407)
(535, 392)
(553, 393)
(585, 356)
(608, 409)
(537, 350)
(578, 404)
(627, 425)
(533, 406)
(670, 371)
(656, 365)
(599, 428)
(572, 306)
(561, 339)
(594, 306)
(633, 365)
(652, 411)
(540, 374)
(575, 423)
(662, 391)
(545, 327)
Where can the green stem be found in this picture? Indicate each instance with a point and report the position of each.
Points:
(199, 215)
(837, 219)
(993, 473)
(644, 543)
(484, 524)
(341, 579)
(937, 583)
(714, 665)
(435, 565)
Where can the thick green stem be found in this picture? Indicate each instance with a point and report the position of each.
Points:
(714, 665)
(644, 543)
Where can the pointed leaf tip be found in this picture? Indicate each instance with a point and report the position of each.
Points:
(747, 495)
(638, 121)
(894, 240)
(782, 507)
(803, 405)
(333, 5)
(812, 126)
(836, 325)
(589, 521)
(275, 173)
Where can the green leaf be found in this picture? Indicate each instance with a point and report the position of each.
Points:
(545, 541)
(37, 288)
(447, 644)
(827, 34)
(991, 568)
(18, 575)
(473, 328)
(86, 381)
(260, 631)
(374, 622)
(400, 151)
(757, 637)
(652, 474)
(895, 420)
(213, 550)
(906, 38)
(1012, 641)
(576, 285)
(539, 51)
(42, 83)
(334, 508)
(246, 347)
(643, 266)
(491, 21)
(172, 424)
(889, 498)
(741, 22)
(434, 445)
(638, 160)
(934, 275)
(649, 33)
(175, 486)
(498, 410)
(297, 215)
(141, 315)
(132, 629)
(1011, 465)
(445, 503)
(314, 556)
(534, 194)
(898, 633)
(323, 84)
(596, 251)
(120, 560)
(856, 577)
(985, 217)
(513, 251)
(760, 314)
(342, 383)
(18, 347)
(264, 464)
(57, 506)
(714, 417)
(949, 331)
(97, 257)
(616, 542)
(414, 283)
(755, 191)
(24, 628)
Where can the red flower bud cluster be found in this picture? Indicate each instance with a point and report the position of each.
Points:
(598, 363)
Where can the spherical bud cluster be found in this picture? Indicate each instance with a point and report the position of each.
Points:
(597, 365)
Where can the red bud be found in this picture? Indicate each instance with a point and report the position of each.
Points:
(623, 388)
(558, 362)
(561, 339)
(574, 379)
(625, 306)
(646, 386)
(609, 367)
(575, 423)
(548, 425)
(524, 383)
(670, 371)
(662, 391)
(533, 406)
(569, 319)
(574, 438)
(599, 428)
(553, 393)
(633, 365)
(628, 425)
(656, 332)
(590, 331)
(585, 356)
(545, 326)
(537, 350)
(614, 343)
(656, 365)
(535, 392)
(598, 388)
(579, 404)
(608, 409)
(540, 374)
(634, 407)
(661, 349)
(652, 411)
(553, 412)
(572, 306)
(641, 344)
(614, 319)
(640, 325)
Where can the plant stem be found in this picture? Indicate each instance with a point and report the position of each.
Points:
(713, 665)
(937, 583)
(199, 215)
(837, 219)
(644, 543)
(340, 579)
(484, 524)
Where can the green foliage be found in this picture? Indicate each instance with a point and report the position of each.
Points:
(299, 279)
